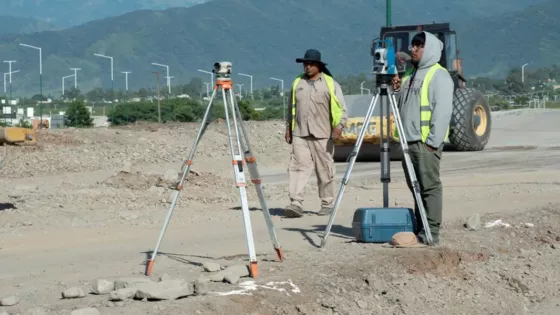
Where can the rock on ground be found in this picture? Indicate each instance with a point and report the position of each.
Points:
(231, 272)
(123, 294)
(102, 286)
(165, 290)
(200, 287)
(9, 301)
(73, 293)
(86, 311)
(128, 282)
(211, 266)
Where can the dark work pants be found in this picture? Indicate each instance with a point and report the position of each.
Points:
(426, 167)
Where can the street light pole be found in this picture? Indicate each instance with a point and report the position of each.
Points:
(158, 98)
(63, 78)
(112, 79)
(207, 88)
(250, 76)
(523, 73)
(40, 78)
(282, 95)
(75, 76)
(240, 89)
(10, 75)
(168, 81)
(126, 78)
(211, 80)
(5, 79)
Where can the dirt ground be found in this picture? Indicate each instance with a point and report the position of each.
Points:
(84, 205)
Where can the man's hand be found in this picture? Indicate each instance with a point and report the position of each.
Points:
(396, 83)
(287, 136)
(337, 133)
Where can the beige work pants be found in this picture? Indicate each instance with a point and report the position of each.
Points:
(308, 153)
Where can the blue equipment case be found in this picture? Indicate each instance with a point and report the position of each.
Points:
(378, 225)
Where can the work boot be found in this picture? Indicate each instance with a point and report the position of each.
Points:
(293, 211)
(325, 210)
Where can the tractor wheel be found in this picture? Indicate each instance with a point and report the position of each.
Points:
(471, 120)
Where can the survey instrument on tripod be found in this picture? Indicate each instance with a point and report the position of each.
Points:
(241, 154)
(385, 67)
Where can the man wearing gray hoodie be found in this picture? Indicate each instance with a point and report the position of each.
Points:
(425, 101)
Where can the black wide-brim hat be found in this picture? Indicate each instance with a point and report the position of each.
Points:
(312, 55)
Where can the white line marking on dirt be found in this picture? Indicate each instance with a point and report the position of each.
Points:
(247, 286)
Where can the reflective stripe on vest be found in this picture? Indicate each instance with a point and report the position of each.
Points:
(425, 110)
(336, 109)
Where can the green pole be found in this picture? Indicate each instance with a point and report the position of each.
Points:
(388, 17)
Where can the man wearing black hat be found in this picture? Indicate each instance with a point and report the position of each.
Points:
(316, 116)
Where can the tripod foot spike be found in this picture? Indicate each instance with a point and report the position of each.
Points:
(149, 267)
(254, 269)
(279, 253)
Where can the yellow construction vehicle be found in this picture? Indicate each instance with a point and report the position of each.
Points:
(14, 136)
(17, 135)
(471, 119)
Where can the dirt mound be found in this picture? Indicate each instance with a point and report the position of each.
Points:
(58, 137)
(444, 262)
(470, 274)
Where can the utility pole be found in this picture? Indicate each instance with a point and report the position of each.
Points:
(6, 74)
(5, 79)
(211, 78)
(40, 79)
(75, 76)
(158, 98)
(207, 88)
(251, 77)
(10, 75)
(168, 78)
(63, 78)
(112, 79)
(240, 89)
(282, 95)
(126, 78)
(523, 73)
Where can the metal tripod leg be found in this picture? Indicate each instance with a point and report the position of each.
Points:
(410, 169)
(239, 177)
(185, 169)
(256, 179)
(353, 156)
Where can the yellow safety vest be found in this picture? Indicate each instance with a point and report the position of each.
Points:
(336, 109)
(425, 110)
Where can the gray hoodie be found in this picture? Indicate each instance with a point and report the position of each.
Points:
(440, 94)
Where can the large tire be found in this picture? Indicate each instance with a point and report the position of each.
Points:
(471, 121)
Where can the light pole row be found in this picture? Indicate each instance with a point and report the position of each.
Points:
(126, 73)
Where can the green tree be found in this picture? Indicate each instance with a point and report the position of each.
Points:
(77, 115)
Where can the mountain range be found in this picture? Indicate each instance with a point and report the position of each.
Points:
(68, 13)
(23, 25)
(263, 38)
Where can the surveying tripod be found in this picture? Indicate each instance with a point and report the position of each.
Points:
(242, 147)
(383, 95)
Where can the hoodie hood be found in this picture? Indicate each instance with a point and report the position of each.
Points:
(432, 51)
